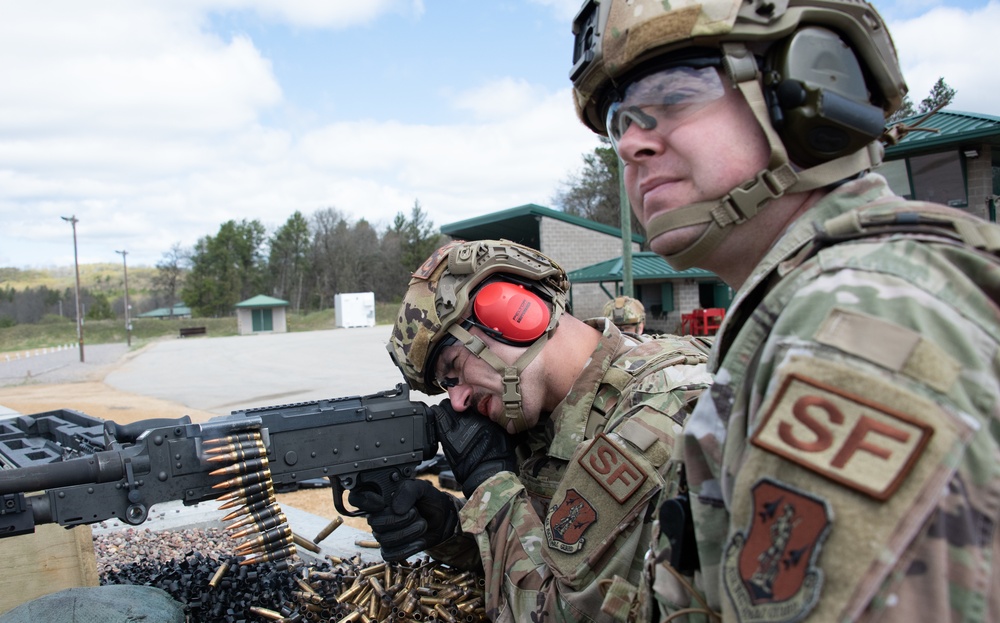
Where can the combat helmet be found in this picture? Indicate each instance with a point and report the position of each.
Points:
(450, 293)
(625, 311)
(821, 77)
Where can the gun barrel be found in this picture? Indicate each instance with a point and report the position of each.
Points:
(105, 466)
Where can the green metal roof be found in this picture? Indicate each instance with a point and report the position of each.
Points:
(180, 309)
(955, 129)
(646, 266)
(520, 224)
(263, 301)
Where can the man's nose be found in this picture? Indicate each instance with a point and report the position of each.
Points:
(460, 396)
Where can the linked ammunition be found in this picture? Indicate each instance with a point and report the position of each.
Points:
(245, 479)
(243, 467)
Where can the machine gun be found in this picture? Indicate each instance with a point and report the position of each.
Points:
(373, 442)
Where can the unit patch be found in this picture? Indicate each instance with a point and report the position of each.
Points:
(770, 571)
(614, 471)
(566, 523)
(849, 439)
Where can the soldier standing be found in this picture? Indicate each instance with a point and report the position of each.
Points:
(627, 313)
(856, 373)
(563, 522)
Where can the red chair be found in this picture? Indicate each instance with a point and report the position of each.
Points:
(712, 319)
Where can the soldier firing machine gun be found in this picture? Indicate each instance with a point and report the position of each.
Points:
(372, 442)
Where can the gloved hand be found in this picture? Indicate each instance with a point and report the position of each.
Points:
(419, 517)
(475, 446)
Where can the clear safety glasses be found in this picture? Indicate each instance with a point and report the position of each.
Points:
(663, 100)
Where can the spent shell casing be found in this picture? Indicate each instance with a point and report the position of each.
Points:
(248, 491)
(267, 613)
(219, 574)
(265, 524)
(235, 447)
(284, 552)
(243, 467)
(245, 479)
(249, 508)
(235, 439)
(305, 543)
(335, 523)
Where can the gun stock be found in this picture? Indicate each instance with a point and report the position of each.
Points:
(373, 441)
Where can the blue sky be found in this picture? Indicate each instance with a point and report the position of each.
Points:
(154, 122)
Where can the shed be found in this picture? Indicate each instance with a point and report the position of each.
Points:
(572, 241)
(666, 293)
(261, 314)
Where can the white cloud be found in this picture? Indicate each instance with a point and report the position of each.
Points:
(949, 42)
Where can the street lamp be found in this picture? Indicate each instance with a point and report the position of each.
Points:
(76, 262)
(128, 320)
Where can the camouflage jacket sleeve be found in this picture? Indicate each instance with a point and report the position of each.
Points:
(846, 466)
(598, 525)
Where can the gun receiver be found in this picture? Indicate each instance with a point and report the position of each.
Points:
(373, 441)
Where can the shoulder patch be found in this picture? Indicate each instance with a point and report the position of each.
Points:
(566, 523)
(617, 474)
(852, 440)
(770, 570)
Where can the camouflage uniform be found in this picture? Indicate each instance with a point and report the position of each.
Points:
(845, 465)
(602, 459)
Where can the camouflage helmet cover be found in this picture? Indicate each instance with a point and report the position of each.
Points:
(439, 296)
(624, 311)
(615, 39)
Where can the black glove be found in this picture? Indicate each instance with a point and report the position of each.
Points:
(475, 446)
(419, 517)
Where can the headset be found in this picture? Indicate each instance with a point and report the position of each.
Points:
(510, 312)
(817, 97)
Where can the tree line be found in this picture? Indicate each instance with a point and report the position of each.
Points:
(306, 261)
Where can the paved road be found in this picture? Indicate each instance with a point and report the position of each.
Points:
(60, 366)
(226, 373)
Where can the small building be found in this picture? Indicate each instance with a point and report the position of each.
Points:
(667, 294)
(953, 158)
(179, 310)
(262, 314)
(572, 241)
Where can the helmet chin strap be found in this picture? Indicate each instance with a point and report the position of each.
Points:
(511, 374)
(746, 200)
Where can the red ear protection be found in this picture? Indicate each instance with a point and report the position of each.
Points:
(517, 313)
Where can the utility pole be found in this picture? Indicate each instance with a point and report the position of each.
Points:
(128, 319)
(76, 262)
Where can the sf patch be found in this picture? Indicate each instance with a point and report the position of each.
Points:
(615, 472)
(769, 570)
(566, 523)
(847, 438)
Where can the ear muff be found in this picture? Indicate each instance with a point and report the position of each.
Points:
(817, 98)
(516, 314)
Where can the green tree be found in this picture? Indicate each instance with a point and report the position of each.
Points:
(99, 307)
(941, 95)
(289, 258)
(593, 192)
(226, 268)
(417, 237)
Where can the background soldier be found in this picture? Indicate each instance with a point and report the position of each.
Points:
(627, 313)
(562, 531)
(856, 381)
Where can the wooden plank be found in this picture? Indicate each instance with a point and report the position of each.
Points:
(48, 561)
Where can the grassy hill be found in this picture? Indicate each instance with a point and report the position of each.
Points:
(106, 277)
(56, 331)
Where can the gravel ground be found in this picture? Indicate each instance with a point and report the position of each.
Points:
(60, 365)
